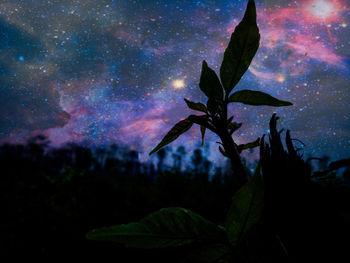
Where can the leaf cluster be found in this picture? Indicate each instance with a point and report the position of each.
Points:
(238, 55)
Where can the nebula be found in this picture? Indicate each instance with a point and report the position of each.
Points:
(102, 72)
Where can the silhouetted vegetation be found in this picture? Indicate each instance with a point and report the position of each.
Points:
(284, 212)
(52, 196)
(275, 215)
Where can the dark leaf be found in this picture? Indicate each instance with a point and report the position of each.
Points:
(203, 133)
(168, 227)
(174, 133)
(246, 208)
(252, 97)
(223, 152)
(249, 145)
(210, 84)
(339, 164)
(202, 121)
(210, 253)
(241, 49)
(212, 106)
(196, 106)
(234, 126)
(290, 145)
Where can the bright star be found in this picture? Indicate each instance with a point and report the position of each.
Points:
(178, 84)
(280, 78)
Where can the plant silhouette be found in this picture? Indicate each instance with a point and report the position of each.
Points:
(270, 211)
(238, 55)
(176, 226)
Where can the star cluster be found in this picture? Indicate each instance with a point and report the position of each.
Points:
(109, 71)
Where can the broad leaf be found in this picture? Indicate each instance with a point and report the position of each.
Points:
(203, 133)
(258, 98)
(196, 106)
(241, 49)
(210, 84)
(218, 253)
(174, 133)
(168, 227)
(246, 208)
(213, 106)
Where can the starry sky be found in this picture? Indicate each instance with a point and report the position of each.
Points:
(116, 71)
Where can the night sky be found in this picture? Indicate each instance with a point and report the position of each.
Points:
(104, 71)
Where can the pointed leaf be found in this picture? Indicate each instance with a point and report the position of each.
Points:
(174, 133)
(246, 208)
(249, 145)
(202, 121)
(210, 84)
(168, 227)
(252, 97)
(196, 106)
(241, 49)
(234, 126)
(203, 133)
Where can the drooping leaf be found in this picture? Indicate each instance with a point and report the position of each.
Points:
(241, 49)
(249, 145)
(257, 98)
(202, 121)
(196, 106)
(246, 208)
(203, 133)
(210, 84)
(174, 133)
(168, 227)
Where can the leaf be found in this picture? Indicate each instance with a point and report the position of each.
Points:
(252, 97)
(196, 106)
(168, 227)
(212, 106)
(249, 145)
(223, 152)
(202, 121)
(339, 164)
(210, 253)
(229, 119)
(210, 84)
(234, 126)
(203, 133)
(241, 49)
(246, 208)
(174, 133)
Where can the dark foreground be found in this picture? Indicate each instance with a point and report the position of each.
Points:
(50, 203)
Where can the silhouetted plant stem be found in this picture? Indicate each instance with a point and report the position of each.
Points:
(231, 150)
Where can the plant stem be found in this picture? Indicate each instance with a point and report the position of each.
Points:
(231, 150)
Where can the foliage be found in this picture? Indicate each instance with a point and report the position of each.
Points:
(241, 49)
(168, 227)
